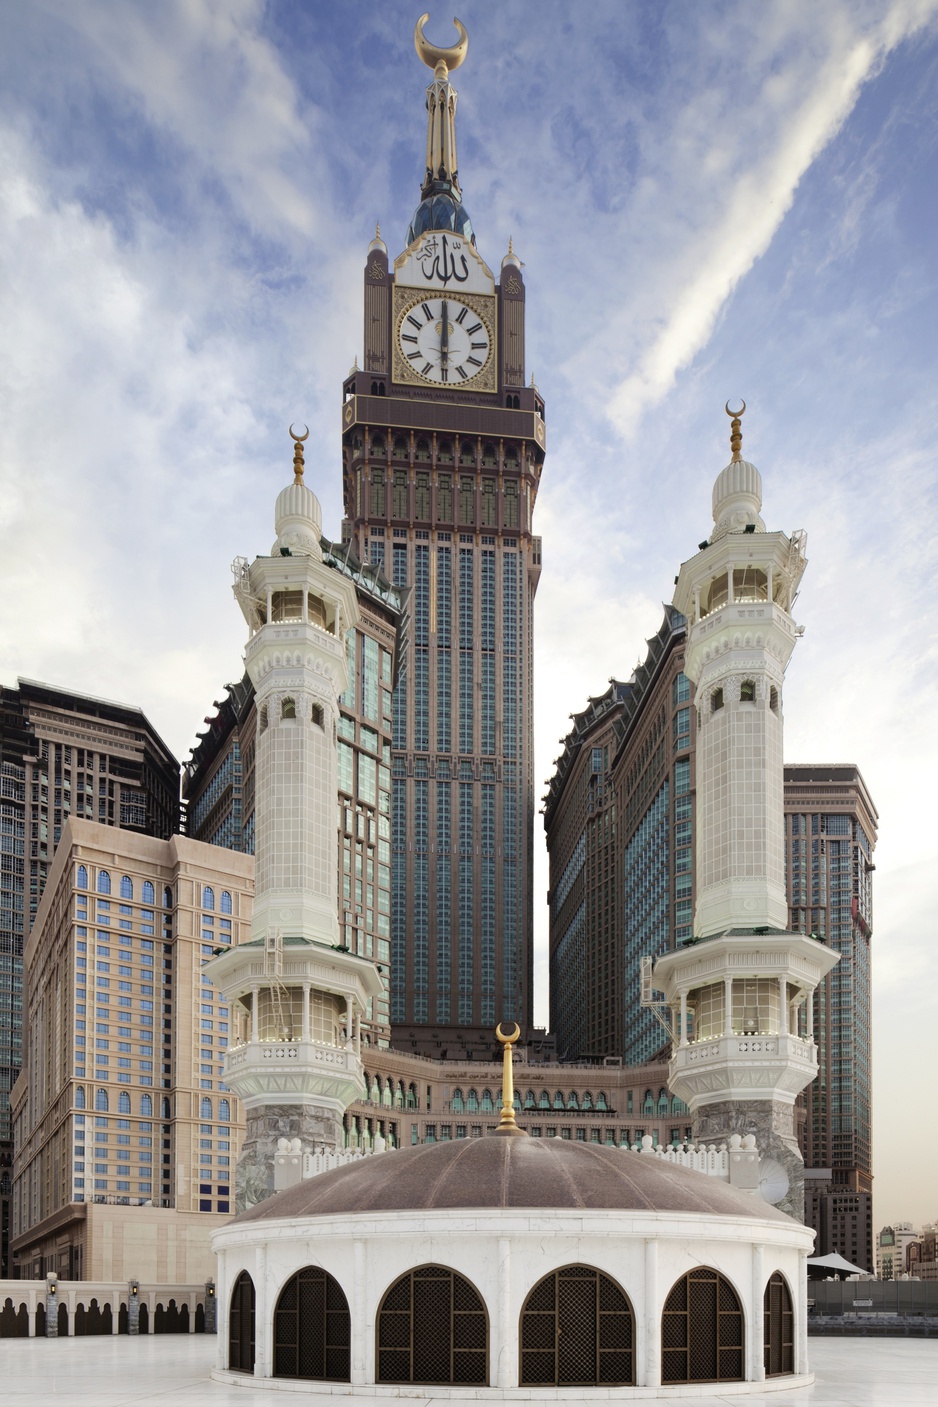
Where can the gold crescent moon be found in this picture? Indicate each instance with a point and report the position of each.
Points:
(509, 1039)
(734, 413)
(431, 55)
(299, 438)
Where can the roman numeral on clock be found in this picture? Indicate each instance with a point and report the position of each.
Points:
(477, 346)
(474, 360)
(408, 337)
(473, 330)
(414, 322)
(462, 373)
(462, 316)
(426, 312)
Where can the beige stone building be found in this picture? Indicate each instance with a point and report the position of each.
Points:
(126, 1135)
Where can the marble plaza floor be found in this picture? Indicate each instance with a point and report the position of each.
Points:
(173, 1370)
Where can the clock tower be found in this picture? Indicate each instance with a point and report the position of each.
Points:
(443, 446)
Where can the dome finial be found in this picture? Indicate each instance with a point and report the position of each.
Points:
(437, 58)
(441, 206)
(506, 1124)
(736, 432)
(298, 464)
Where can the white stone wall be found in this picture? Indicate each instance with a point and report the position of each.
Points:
(504, 1254)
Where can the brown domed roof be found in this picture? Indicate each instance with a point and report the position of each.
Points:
(511, 1173)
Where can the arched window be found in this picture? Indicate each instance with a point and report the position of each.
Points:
(487, 1105)
(208, 898)
(543, 1101)
(747, 691)
(79, 1096)
(123, 1102)
(716, 700)
(702, 1330)
(127, 887)
(205, 1108)
(444, 452)
(773, 699)
(148, 892)
(778, 1328)
(400, 448)
(288, 708)
(104, 882)
(146, 1106)
(262, 718)
(224, 1110)
(472, 1102)
(224, 903)
(432, 1328)
(529, 1101)
(587, 1101)
(558, 1100)
(573, 1100)
(601, 1100)
(457, 1101)
(81, 879)
(412, 1095)
(467, 452)
(317, 716)
(241, 1326)
(577, 1329)
(312, 1328)
(662, 1104)
(167, 898)
(648, 1105)
(100, 1100)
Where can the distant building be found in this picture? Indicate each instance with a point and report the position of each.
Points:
(891, 1246)
(121, 1115)
(218, 783)
(62, 754)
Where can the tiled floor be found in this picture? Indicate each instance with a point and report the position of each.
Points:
(174, 1370)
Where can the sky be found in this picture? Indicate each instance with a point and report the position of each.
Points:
(712, 201)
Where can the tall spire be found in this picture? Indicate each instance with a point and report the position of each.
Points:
(441, 206)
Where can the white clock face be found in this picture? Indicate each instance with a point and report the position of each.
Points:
(444, 341)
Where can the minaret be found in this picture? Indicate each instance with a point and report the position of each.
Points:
(743, 1047)
(295, 1063)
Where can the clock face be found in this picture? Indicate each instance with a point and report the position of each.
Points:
(443, 340)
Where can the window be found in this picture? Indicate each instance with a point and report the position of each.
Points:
(716, 700)
(104, 882)
(241, 1325)
(318, 718)
(81, 879)
(127, 887)
(123, 1102)
(773, 699)
(224, 1110)
(208, 898)
(225, 902)
(312, 1328)
(79, 1096)
(378, 497)
(148, 895)
(432, 1328)
(747, 691)
(702, 1330)
(100, 1100)
(206, 1109)
(146, 1105)
(167, 898)
(577, 1330)
(778, 1328)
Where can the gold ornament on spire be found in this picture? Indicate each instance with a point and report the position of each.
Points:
(435, 57)
(507, 1125)
(736, 432)
(298, 465)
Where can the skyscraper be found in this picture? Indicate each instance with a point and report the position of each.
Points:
(62, 754)
(443, 446)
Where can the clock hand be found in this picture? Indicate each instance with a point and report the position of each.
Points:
(444, 336)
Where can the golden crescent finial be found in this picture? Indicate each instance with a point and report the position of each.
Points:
(734, 414)
(506, 1124)
(511, 1037)
(298, 465)
(431, 55)
(736, 430)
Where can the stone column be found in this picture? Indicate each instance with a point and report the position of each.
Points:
(211, 1305)
(261, 1315)
(757, 1329)
(133, 1308)
(506, 1341)
(52, 1307)
(363, 1340)
(651, 1369)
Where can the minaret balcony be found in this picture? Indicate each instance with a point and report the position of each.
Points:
(288, 1071)
(747, 1066)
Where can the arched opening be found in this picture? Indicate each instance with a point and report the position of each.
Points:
(773, 699)
(123, 1322)
(100, 1101)
(127, 887)
(778, 1335)
(702, 1330)
(241, 1325)
(577, 1329)
(81, 881)
(747, 691)
(200, 1318)
(432, 1328)
(104, 882)
(317, 716)
(312, 1328)
(288, 708)
(62, 1321)
(148, 892)
(40, 1320)
(716, 700)
(208, 897)
(143, 1320)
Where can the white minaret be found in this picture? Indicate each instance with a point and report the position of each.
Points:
(296, 1063)
(743, 1047)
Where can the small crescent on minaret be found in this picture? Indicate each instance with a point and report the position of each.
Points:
(431, 55)
(511, 1037)
(299, 438)
(734, 413)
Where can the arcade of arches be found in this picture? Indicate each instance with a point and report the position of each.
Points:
(577, 1328)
